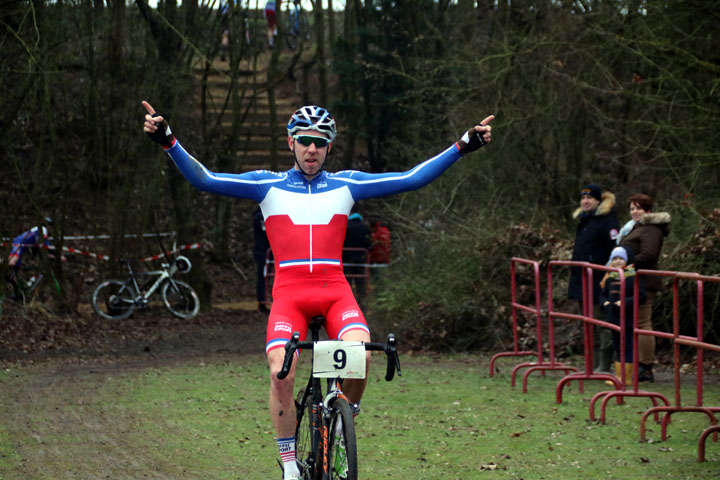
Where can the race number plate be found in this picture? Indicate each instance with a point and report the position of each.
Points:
(334, 359)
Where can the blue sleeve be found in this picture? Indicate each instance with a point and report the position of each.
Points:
(368, 185)
(244, 185)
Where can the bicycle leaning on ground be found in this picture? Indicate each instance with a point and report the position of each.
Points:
(325, 431)
(118, 299)
(297, 27)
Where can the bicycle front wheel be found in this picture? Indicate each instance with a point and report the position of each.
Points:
(180, 299)
(113, 300)
(342, 445)
(306, 458)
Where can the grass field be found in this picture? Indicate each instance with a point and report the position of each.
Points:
(445, 418)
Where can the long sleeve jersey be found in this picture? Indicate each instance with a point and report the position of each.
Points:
(306, 220)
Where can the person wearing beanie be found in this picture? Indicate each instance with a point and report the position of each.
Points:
(595, 237)
(610, 300)
(643, 235)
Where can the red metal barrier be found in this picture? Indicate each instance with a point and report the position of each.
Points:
(588, 323)
(621, 392)
(703, 439)
(541, 365)
(515, 306)
(684, 340)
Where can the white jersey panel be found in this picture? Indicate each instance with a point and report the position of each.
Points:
(305, 208)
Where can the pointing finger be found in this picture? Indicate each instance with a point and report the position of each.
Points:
(148, 107)
(487, 120)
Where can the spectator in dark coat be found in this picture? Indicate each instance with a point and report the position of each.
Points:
(260, 249)
(595, 237)
(357, 236)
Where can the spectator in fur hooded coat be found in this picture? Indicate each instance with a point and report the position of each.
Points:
(644, 235)
(595, 237)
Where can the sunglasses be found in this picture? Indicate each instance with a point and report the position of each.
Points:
(308, 140)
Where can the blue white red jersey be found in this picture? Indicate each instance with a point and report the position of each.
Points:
(27, 240)
(306, 220)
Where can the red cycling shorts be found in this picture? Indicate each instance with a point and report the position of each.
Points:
(270, 15)
(298, 296)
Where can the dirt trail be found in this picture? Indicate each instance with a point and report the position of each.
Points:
(52, 393)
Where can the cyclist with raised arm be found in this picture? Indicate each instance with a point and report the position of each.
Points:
(306, 212)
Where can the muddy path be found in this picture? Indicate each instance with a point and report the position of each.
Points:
(50, 390)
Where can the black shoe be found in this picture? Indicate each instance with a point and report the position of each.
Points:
(645, 373)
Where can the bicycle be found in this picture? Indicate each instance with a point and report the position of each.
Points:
(118, 299)
(296, 25)
(22, 290)
(325, 431)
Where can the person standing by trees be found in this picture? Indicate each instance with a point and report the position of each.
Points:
(357, 237)
(644, 235)
(260, 254)
(306, 211)
(595, 237)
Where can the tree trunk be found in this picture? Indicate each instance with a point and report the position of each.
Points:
(320, 52)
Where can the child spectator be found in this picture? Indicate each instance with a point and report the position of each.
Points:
(611, 302)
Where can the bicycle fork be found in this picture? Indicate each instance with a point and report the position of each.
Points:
(334, 392)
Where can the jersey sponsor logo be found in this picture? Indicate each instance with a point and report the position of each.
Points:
(298, 185)
(322, 185)
(614, 233)
(283, 327)
(350, 314)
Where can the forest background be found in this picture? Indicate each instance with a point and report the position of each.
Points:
(622, 93)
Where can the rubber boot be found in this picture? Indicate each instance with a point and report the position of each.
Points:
(603, 359)
(618, 371)
(628, 374)
(617, 374)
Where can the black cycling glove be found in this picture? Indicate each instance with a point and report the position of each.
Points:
(163, 135)
(471, 141)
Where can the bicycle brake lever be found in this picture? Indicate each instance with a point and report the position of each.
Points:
(290, 348)
(393, 361)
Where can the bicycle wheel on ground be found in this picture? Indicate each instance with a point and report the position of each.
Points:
(180, 299)
(113, 300)
(342, 447)
(303, 434)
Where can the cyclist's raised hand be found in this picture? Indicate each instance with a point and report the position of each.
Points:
(157, 128)
(476, 137)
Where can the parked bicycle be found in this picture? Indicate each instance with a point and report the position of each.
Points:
(296, 25)
(118, 299)
(325, 431)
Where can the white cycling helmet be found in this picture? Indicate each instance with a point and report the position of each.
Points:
(312, 118)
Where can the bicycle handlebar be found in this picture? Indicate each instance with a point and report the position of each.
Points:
(389, 347)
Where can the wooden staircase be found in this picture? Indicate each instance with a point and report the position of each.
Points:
(251, 129)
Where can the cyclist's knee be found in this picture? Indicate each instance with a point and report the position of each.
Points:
(275, 360)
